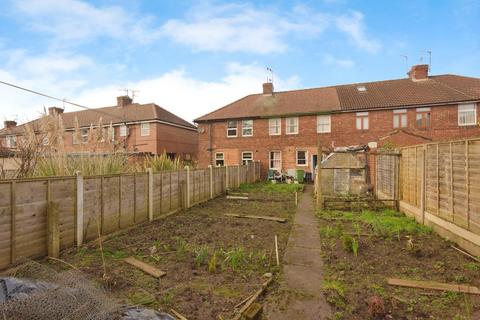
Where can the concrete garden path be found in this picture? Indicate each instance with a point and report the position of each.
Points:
(301, 295)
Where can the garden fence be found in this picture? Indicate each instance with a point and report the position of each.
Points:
(40, 216)
(440, 187)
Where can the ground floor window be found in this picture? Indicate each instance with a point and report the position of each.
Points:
(302, 157)
(219, 159)
(171, 155)
(247, 156)
(275, 160)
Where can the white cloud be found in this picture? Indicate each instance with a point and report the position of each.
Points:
(235, 27)
(353, 25)
(330, 59)
(75, 20)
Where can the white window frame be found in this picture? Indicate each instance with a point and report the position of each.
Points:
(279, 161)
(420, 112)
(465, 109)
(245, 127)
(11, 141)
(45, 141)
(232, 128)
(276, 124)
(288, 126)
(362, 121)
(247, 160)
(306, 158)
(84, 135)
(122, 131)
(144, 129)
(400, 119)
(217, 158)
(324, 127)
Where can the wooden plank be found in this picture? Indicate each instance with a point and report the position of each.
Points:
(466, 253)
(256, 217)
(237, 198)
(433, 285)
(13, 250)
(145, 267)
(253, 299)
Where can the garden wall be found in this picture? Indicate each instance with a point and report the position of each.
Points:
(40, 216)
(440, 187)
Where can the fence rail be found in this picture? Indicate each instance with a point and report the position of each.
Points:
(440, 186)
(43, 215)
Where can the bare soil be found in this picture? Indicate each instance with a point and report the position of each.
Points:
(183, 245)
(357, 288)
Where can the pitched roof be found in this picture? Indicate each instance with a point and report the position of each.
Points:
(130, 113)
(380, 94)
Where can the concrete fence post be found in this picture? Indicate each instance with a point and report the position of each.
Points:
(150, 194)
(79, 207)
(226, 178)
(211, 181)
(187, 168)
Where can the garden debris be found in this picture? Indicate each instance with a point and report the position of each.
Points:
(276, 250)
(145, 267)
(466, 253)
(237, 197)
(433, 285)
(253, 312)
(178, 315)
(252, 299)
(282, 220)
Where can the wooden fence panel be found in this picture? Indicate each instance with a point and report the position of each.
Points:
(110, 194)
(431, 176)
(127, 202)
(474, 185)
(62, 192)
(165, 192)
(92, 197)
(157, 194)
(5, 224)
(141, 201)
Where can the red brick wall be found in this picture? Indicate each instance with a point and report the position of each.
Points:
(444, 125)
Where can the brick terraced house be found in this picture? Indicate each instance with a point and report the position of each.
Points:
(281, 129)
(133, 127)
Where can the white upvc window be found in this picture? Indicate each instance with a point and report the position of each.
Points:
(11, 141)
(247, 128)
(292, 125)
(231, 128)
(247, 157)
(324, 124)
(123, 130)
(422, 117)
(84, 135)
(467, 114)
(111, 134)
(302, 156)
(275, 126)
(400, 118)
(275, 160)
(362, 121)
(145, 129)
(219, 159)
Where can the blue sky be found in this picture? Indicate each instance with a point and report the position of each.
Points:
(192, 57)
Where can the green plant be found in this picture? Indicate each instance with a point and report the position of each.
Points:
(331, 232)
(235, 258)
(357, 228)
(201, 256)
(355, 247)
(143, 298)
(472, 266)
(167, 298)
(347, 242)
(212, 264)
(335, 286)
(181, 245)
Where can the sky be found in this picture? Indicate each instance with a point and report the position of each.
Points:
(192, 57)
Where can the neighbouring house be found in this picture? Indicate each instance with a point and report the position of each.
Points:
(283, 129)
(128, 126)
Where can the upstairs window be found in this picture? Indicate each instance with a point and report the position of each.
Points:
(219, 159)
(11, 141)
(84, 135)
(467, 114)
(323, 124)
(145, 129)
(123, 130)
(292, 125)
(274, 126)
(247, 157)
(231, 128)
(247, 128)
(302, 157)
(362, 121)
(422, 118)
(400, 118)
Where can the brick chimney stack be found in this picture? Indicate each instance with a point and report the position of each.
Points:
(9, 124)
(123, 101)
(54, 110)
(418, 72)
(268, 88)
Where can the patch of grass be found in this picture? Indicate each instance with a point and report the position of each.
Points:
(235, 258)
(212, 264)
(331, 232)
(472, 266)
(350, 244)
(141, 298)
(270, 187)
(181, 246)
(116, 254)
(167, 298)
(335, 286)
(201, 256)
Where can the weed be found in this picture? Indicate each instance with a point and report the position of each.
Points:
(335, 286)
(460, 279)
(472, 266)
(357, 228)
(355, 247)
(167, 299)
(143, 298)
(117, 254)
(235, 258)
(212, 264)
(181, 245)
(263, 259)
(201, 256)
(332, 232)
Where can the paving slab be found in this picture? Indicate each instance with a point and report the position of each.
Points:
(301, 296)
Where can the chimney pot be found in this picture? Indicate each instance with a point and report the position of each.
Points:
(268, 88)
(418, 72)
(54, 110)
(9, 124)
(123, 101)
